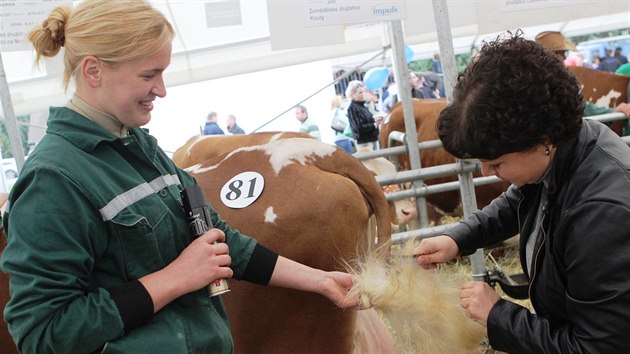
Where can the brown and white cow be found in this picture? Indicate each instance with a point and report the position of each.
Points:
(426, 112)
(200, 148)
(603, 89)
(600, 87)
(314, 208)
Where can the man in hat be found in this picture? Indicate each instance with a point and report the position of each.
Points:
(555, 42)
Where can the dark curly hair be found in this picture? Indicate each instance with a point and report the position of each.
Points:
(515, 95)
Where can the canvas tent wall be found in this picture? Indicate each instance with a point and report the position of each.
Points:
(221, 38)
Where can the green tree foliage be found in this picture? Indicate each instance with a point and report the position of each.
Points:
(5, 143)
(421, 65)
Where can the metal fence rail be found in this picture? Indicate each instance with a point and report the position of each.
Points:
(421, 174)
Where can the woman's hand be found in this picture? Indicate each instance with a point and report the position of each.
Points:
(434, 250)
(623, 108)
(203, 261)
(477, 298)
(335, 287)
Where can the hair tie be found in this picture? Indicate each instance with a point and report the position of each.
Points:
(58, 37)
(61, 39)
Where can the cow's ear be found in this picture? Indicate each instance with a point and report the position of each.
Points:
(91, 70)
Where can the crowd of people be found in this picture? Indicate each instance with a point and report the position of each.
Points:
(365, 109)
(611, 61)
(211, 126)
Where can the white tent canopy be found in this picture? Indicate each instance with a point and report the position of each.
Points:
(220, 38)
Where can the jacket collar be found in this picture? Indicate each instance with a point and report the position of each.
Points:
(83, 132)
(570, 153)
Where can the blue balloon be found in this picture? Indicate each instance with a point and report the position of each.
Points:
(376, 77)
(408, 54)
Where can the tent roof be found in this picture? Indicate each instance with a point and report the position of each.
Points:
(210, 45)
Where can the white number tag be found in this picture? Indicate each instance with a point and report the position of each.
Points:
(242, 190)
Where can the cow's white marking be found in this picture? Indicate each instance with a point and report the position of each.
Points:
(270, 216)
(605, 100)
(242, 189)
(287, 151)
(276, 137)
(196, 169)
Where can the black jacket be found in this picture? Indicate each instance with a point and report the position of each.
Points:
(580, 283)
(364, 129)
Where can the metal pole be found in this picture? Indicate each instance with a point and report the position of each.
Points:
(9, 118)
(404, 95)
(449, 65)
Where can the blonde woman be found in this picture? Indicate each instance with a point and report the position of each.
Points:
(110, 264)
(362, 122)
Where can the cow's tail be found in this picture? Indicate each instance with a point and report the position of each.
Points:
(420, 307)
(349, 166)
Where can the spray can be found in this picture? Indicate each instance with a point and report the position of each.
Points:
(199, 221)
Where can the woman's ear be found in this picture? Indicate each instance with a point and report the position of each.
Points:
(91, 71)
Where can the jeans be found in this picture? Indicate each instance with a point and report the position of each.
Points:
(345, 144)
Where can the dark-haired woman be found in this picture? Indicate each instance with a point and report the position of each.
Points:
(100, 254)
(519, 111)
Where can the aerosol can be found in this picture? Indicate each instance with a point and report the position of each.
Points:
(199, 221)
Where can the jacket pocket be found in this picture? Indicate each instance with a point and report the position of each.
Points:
(138, 229)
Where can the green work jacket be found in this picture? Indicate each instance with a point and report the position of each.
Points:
(90, 214)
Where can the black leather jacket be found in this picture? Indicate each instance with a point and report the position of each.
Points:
(364, 129)
(580, 282)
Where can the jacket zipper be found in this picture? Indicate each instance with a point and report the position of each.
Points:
(537, 252)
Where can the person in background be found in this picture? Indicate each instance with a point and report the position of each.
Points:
(555, 42)
(594, 63)
(372, 101)
(232, 127)
(307, 126)
(428, 91)
(609, 62)
(120, 271)
(212, 127)
(619, 55)
(343, 136)
(568, 200)
(623, 70)
(413, 81)
(437, 63)
(389, 88)
(362, 122)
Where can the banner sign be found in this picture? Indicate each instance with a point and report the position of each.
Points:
(341, 12)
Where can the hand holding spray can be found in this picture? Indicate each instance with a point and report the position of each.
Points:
(199, 221)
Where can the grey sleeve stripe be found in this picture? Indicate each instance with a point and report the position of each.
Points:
(122, 201)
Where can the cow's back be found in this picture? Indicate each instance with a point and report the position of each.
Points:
(201, 148)
(307, 213)
(426, 112)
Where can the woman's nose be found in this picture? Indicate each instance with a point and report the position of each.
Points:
(159, 89)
